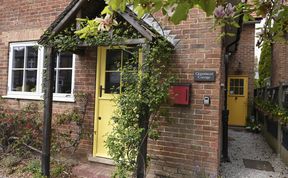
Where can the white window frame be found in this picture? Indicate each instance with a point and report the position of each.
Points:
(38, 94)
(64, 96)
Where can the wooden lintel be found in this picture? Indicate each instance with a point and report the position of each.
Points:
(136, 25)
(125, 42)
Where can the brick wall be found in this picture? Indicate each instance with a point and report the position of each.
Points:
(192, 141)
(279, 65)
(243, 62)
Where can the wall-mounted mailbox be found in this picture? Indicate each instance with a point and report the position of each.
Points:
(180, 94)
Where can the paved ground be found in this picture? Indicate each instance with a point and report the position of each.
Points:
(246, 145)
(242, 145)
(93, 170)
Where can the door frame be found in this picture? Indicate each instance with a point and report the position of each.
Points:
(100, 60)
(97, 94)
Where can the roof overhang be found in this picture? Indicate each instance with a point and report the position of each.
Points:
(147, 26)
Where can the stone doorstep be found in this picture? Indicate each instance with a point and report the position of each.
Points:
(101, 160)
(97, 167)
(93, 170)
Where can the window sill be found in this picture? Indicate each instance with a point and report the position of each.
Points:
(57, 98)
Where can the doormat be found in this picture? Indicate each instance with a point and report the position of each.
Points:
(259, 165)
(231, 139)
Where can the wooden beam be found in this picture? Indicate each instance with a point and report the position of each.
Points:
(79, 15)
(136, 25)
(68, 16)
(48, 97)
(125, 42)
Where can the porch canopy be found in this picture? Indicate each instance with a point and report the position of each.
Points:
(147, 26)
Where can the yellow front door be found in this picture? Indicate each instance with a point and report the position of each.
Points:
(108, 87)
(237, 100)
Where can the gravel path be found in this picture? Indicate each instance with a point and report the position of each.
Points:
(246, 145)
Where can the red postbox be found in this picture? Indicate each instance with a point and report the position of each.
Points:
(180, 94)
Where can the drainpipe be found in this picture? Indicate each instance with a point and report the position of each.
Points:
(225, 112)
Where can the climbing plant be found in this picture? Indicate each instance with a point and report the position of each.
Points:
(144, 93)
(275, 110)
(265, 63)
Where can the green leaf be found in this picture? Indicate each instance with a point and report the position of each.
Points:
(207, 5)
(106, 10)
(140, 11)
(230, 34)
(235, 24)
(181, 12)
(117, 4)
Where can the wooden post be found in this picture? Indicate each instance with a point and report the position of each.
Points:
(142, 155)
(48, 97)
(144, 124)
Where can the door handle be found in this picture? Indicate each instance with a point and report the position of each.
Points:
(236, 97)
(101, 89)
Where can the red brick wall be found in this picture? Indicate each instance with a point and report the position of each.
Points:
(243, 62)
(279, 64)
(192, 141)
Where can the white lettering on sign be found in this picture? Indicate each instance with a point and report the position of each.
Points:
(205, 76)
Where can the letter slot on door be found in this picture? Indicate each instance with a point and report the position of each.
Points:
(180, 94)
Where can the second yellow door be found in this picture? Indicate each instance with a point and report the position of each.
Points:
(237, 100)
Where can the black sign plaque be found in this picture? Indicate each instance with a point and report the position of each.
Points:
(205, 76)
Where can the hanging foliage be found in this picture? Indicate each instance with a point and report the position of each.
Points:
(265, 63)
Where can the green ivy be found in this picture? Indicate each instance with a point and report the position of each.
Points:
(144, 88)
(270, 108)
(147, 88)
(265, 63)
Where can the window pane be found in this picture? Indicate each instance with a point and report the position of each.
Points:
(112, 82)
(64, 81)
(66, 60)
(130, 59)
(113, 60)
(232, 90)
(18, 57)
(241, 91)
(241, 82)
(17, 78)
(32, 56)
(30, 81)
(236, 91)
(237, 82)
